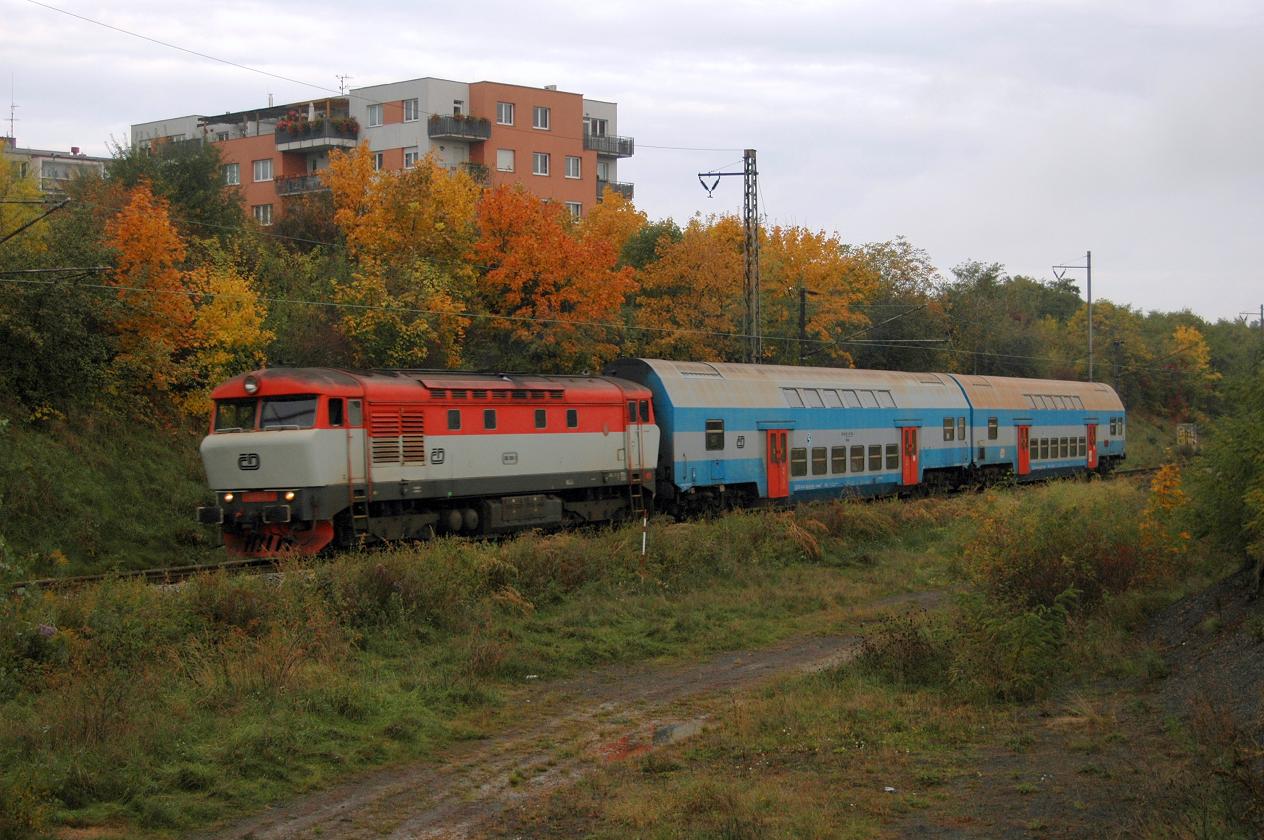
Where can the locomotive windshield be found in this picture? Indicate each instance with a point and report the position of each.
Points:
(296, 412)
(235, 415)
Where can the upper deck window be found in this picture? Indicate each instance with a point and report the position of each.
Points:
(298, 411)
(235, 415)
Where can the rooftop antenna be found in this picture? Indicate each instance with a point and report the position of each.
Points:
(342, 81)
(13, 109)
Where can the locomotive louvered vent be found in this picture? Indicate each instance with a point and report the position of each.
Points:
(519, 394)
(480, 394)
(458, 393)
(500, 395)
(385, 430)
(555, 395)
(438, 393)
(537, 395)
(413, 437)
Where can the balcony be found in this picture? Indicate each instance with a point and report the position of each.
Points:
(610, 145)
(469, 129)
(622, 188)
(477, 171)
(317, 135)
(299, 184)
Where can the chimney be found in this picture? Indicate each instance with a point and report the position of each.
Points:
(550, 87)
(74, 150)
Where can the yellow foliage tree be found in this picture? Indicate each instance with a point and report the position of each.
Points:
(228, 335)
(615, 219)
(16, 190)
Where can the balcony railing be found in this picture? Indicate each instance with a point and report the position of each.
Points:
(444, 127)
(622, 188)
(299, 184)
(477, 171)
(611, 145)
(317, 134)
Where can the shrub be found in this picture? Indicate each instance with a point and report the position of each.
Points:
(1002, 653)
(906, 649)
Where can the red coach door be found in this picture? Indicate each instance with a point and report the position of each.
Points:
(909, 455)
(778, 464)
(1092, 446)
(1024, 450)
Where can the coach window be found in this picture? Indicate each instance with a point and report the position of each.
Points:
(798, 461)
(961, 428)
(540, 418)
(875, 459)
(1083, 447)
(572, 418)
(893, 456)
(857, 459)
(454, 419)
(838, 459)
(792, 397)
(948, 427)
(1044, 449)
(1033, 449)
(715, 434)
(355, 415)
(819, 460)
(489, 418)
(993, 428)
(645, 411)
(335, 411)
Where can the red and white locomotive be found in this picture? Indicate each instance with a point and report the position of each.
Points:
(300, 459)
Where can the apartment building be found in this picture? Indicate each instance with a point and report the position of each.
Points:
(52, 169)
(558, 145)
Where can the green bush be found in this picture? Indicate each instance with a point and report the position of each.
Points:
(999, 652)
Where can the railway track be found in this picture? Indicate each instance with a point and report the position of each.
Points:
(176, 574)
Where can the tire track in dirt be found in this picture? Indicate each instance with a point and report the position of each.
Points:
(565, 729)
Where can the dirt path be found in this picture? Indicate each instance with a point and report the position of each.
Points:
(564, 729)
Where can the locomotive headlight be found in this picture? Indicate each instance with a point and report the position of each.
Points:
(289, 495)
(252, 384)
(228, 498)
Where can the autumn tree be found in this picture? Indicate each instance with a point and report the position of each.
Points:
(409, 236)
(908, 323)
(614, 219)
(188, 176)
(546, 297)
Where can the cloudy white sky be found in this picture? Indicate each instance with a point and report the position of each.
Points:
(1019, 132)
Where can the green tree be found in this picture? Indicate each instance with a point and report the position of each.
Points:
(188, 175)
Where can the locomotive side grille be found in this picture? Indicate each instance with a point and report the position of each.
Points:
(384, 429)
(413, 438)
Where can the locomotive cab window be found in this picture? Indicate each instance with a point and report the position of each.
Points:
(296, 412)
(993, 428)
(335, 411)
(454, 419)
(645, 411)
(798, 462)
(541, 418)
(355, 413)
(235, 415)
(572, 418)
(949, 426)
(819, 460)
(489, 418)
(715, 435)
(631, 411)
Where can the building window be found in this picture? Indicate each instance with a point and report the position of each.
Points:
(411, 111)
(948, 427)
(454, 419)
(603, 170)
(715, 434)
(541, 119)
(819, 460)
(375, 115)
(595, 127)
(576, 209)
(379, 160)
(489, 418)
(798, 462)
(504, 160)
(540, 163)
(263, 214)
(262, 169)
(410, 157)
(232, 173)
(458, 107)
(572, 166)
(504, 113)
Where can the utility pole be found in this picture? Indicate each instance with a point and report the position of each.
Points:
(1060, 271)
(750, 219)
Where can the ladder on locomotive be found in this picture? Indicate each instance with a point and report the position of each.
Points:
(636, 482)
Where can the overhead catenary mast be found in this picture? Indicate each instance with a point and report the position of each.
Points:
(750, 219)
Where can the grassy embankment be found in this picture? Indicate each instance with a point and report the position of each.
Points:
(928, 726)
(152, 711)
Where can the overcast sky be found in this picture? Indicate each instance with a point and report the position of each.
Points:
(1016, 132)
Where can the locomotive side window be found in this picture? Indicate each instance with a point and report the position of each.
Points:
(875, 459)
(355, 414)
(857, 459)
(993, 428)
(645, 411)
(838, 459)
(798, 461)
(818, 460)
(948, 428)
(335, 411)
(572, 418)
(489, 418)
(631, 411)
(893, 456)
(297, 412)
(235, 415)
(715, 434)
(454, 419)
(541, 418)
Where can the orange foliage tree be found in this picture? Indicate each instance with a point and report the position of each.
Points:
(409, 235)
(546, 296)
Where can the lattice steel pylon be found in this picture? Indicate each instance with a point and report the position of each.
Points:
(750, 218)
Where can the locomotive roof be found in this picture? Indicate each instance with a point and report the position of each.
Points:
(406, 384)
